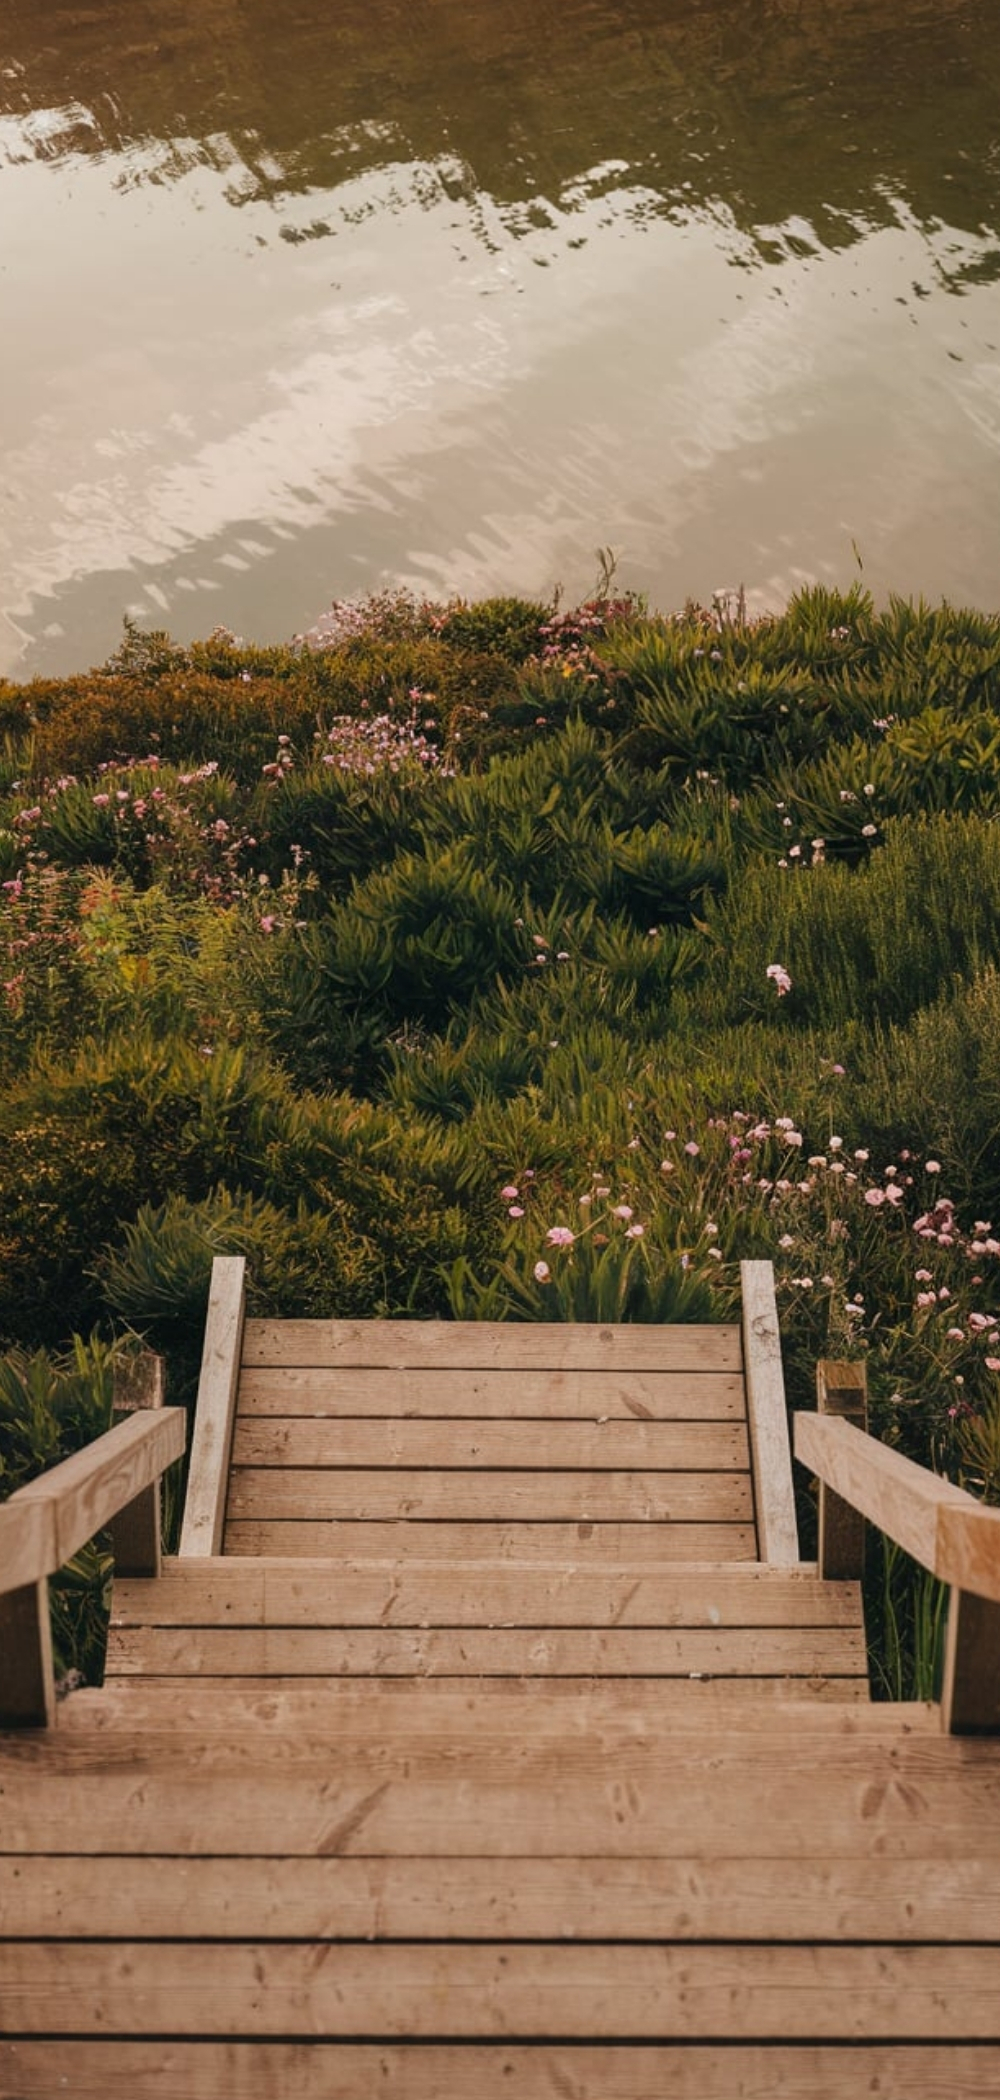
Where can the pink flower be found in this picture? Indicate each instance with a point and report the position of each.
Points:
(992, 1363)
(666, 1166)
(561, 1236)
(692, 1149)
(622, 1210)
(515, 1211)
(635, 1232)
(876, 1197)
(268, 923)
(779, 978)
(542, 1272)
(954, 1334)
(932, 1166)
(510, 1193)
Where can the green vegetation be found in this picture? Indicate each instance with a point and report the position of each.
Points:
(499, 961)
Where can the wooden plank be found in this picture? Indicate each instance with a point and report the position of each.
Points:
(77, 1497)
(468, 1593)
(396, 1492)
(215, 1409)
(705, 1447)
(27, 1689)
(473, 1651)
(501, 1395)
(176, 2070)
(474, 1798)
(564, 1708)
(136, 1540)
(587, 1542)
(488, 1899)
(970, 1694)
(940, 1525)
(841, 1391)
(647, 1992)
(774, 1493)
(479, 1344)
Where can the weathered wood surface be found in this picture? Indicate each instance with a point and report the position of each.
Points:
(944, 1528)
(536, 1447)
(929, 1797)
(774, 1493)
(578, 1395)
(27, 1685)
(494, 1494)
(215, 1409)
(173, 2070)
(490, 1651)
(476, 1345)
(590, 1543)
(45, 1523)
(292, 1592)
(602, 1900)
(841, 1391)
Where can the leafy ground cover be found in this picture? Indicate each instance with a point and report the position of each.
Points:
(496, 960)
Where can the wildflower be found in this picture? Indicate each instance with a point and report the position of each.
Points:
(100, 801)
(932, 1166)
(780, 978)
(510, 1193)
(542, 1272)
(786, 1240)
(854, 1311)
(954, 1334)
(561, 1236)
(818, 1159)
(836, 1144)
(692, 1149)
(923, 1276)
(603, 1190)
(268, 923)
(635, 1232)
(666, 1166)
(925, 1298)
(515, 1210)
(875, 1197)
(869, 831)
(992, 1363)
(837, 1071)
(622, 1210)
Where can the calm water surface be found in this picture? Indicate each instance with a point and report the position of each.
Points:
(298, 297)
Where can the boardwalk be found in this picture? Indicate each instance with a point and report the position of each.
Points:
(488, 1737)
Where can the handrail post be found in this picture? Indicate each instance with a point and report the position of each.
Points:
(135, 1531)
(767, 1418)
(27, 1692)
(215, 1410)
(970, 1692)
(841, 1390)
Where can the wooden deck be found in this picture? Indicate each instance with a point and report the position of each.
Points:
(504, 1748)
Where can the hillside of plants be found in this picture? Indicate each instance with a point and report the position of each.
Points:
(506, 961)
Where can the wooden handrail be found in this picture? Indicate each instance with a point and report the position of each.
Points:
(940, 1525)
(114, 1480)
(44, 1524)
(215, 1410)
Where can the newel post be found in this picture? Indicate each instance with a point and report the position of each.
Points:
(842, 1390)
(135, 1531)
(970, 1692)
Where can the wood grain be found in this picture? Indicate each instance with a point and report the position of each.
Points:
(475, 1651)
(173, 2070)
(621, 1446)
(494, 1495)
(738, 1991)
(587, 1542)
(940, 1525)
(480, 1344)
(225, 1593)
(579, 1395)
(774, 1493)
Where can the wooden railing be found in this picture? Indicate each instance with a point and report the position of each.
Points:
(115, 1482)
(948, 1531)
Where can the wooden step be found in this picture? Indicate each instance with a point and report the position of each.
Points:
(223, 1592)
(578, 1395)
(464, 1990)
(688, 1898)
(180, 2070)
(473, 1651)
(495, 1495)
(614, 1445)
(585, 1540)
(477, 1345)
(746, 1795)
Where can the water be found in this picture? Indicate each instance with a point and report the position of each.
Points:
(299, 299)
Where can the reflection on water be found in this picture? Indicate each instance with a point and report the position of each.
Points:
(299, 300)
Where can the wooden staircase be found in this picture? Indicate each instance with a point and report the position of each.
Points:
(488, 1737)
